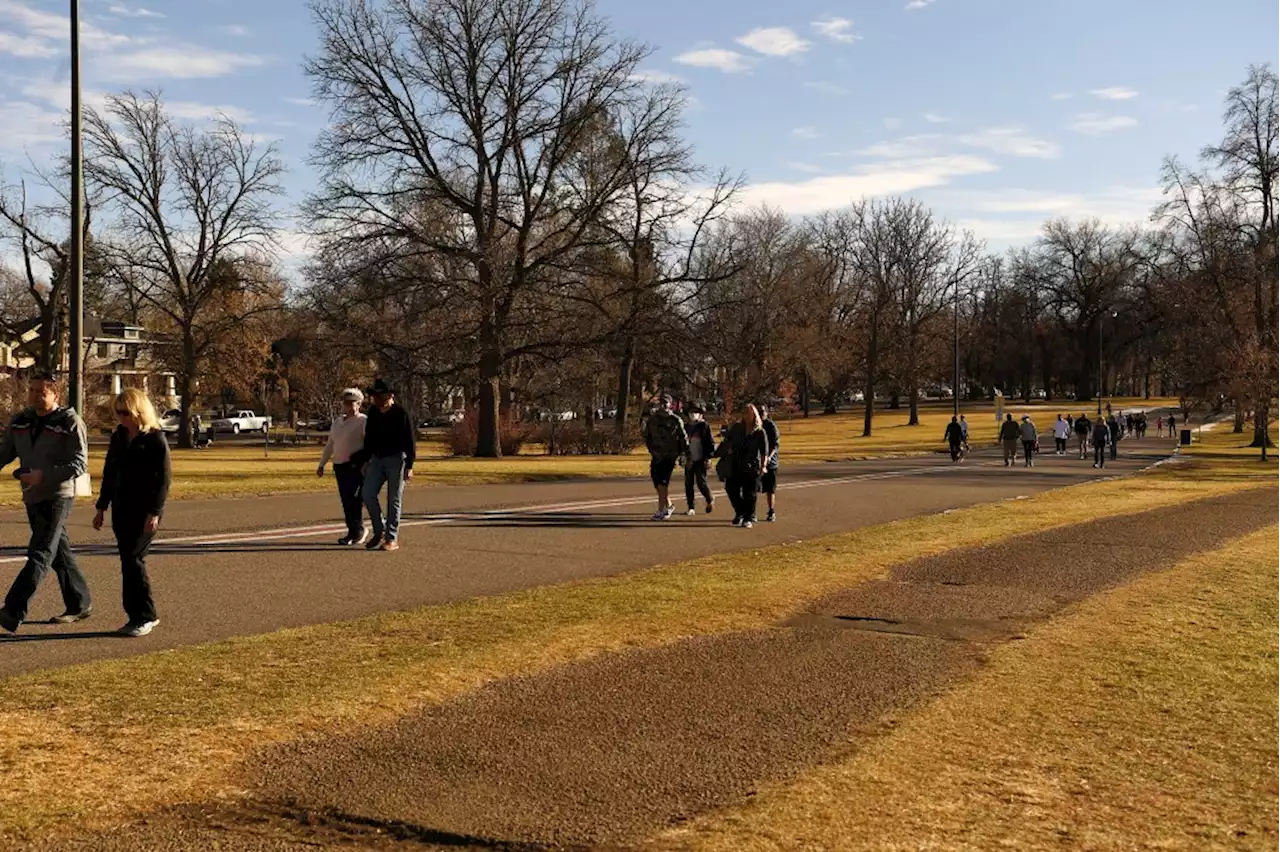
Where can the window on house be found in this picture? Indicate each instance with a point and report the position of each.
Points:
(104, 350)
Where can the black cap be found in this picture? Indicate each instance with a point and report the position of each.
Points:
(381, 387)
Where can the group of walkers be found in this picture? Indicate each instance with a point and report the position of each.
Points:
(746, 460)
(50, 442)
(1102, 435)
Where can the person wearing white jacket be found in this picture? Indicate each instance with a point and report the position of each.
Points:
(1061, 432)
(346, 438)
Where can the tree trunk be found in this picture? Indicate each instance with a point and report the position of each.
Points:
(624, 387)
(186, 378)
(1237, 427)
(488, 436)
(1261, 427)
(868, 403)
(804, 390)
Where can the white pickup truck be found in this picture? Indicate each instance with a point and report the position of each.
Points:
(242, 421)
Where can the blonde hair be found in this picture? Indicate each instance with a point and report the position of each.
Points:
(139, 405)
(756, 424)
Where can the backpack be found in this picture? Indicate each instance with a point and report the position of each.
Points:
(665, 436)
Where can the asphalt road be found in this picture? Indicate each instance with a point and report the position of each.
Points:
(238, 567)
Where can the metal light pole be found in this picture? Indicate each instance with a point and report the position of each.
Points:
(76, 273)
(955, 385)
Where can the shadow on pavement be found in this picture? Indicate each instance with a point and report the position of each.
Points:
(57, 637)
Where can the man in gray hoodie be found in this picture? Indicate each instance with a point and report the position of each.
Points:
(50, 442)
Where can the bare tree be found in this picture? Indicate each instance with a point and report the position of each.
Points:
(478, 107)
(194, 221)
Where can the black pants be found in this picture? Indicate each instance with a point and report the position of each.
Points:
(1061, 444)
(133, 542)
(743, 489)
(955, 451)
(49, 547)
(1100, 455)
(1028, 450)
(350, 485)
(695, 472)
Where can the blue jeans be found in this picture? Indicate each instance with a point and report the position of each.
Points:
(49, 548)
(388, 470)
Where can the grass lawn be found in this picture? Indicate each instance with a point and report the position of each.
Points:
(95, 744)
(244, 470)
(1145, 718)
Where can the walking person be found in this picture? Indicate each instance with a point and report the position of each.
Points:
(1009, 434)
(1030, 439)
(135, 485)
(769, 481)
(50, 443)
(1101, 438)
(665, 438)
(954, 436)
(748, 449)
(964, 435)
(346, 438)
(1083, 427)
(1113, 426)
(702, 448)
(1160, 427)
(1173, 426)
(1061, 432)
(389, 450)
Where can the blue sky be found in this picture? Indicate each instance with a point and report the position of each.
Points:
(999, 114)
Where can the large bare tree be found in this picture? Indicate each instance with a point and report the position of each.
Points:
(194, 222)
(478, 108)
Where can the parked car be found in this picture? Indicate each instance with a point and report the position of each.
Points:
(171, 420)
(242, 421)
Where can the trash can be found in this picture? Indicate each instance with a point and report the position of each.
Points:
(1184, 438)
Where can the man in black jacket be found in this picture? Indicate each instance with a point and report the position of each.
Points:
(702, 447)
(388, 454)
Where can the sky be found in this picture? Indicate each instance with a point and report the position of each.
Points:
(998, 114)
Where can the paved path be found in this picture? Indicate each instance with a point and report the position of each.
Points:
(237, 567)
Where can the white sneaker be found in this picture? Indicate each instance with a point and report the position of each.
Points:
(691, 512)
(746, 525)
(136, 629)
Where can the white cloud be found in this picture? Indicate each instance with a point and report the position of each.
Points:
(237, 30)
(918, 4)
(655, 77)
(934, 118)
(1094, 124)
(299, 101)
(140, 12)
(891, 177)
(27, 47)
(994, 214)
(836, 29)
(774, 41)
(892, 123)
(1013, 141)
(28, 126)
(1061, 96)
(727, 61)
(804, 167)
(1114, 93)
(187, 61)
(826, 87)
(805, 133)
(908, 147)
(39, 25)
(207, 112)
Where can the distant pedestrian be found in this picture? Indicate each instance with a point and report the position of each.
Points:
(197, 426)
(1101, 438)
(1083, 427)
(387, 456)
(1061, 431)
(1159, 427)
(1113, 427)
(769, 481)
(1009, 435)
(954, 436)
(50, 442)
(135, 486)
(964, 431)
(346, 439)
(665, 438)
(702, 448)
(1030, 440)
(1173, 426)
(748, 449)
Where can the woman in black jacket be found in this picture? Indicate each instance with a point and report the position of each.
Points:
(135, 485)
(747, 448)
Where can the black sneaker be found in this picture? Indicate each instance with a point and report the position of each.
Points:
(374, 543)
(711, 506)
(772, 516)
(71, 617)
(8, 621)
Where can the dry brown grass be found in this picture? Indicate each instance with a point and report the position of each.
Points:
(1145, 718)
(94, 744)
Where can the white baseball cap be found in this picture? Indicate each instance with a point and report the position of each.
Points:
(353, 394)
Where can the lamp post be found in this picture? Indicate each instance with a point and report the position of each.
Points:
(76, 272)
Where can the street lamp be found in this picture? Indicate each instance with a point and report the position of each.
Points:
(77, 222)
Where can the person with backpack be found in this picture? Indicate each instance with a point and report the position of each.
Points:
(702, 448)
(1101, 438)
(1030, 440)
(1009, 434)
(665, 438)
(769, 482)
(954, 436)
(747, 449)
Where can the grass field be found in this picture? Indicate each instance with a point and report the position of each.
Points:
(1145, 718)
(94, 744)
(244, 470)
